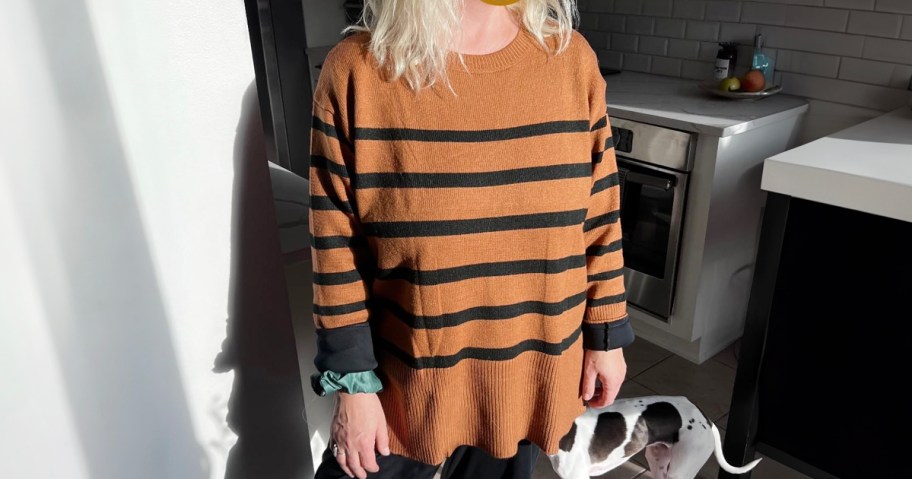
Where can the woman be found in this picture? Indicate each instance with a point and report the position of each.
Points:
(465, 236)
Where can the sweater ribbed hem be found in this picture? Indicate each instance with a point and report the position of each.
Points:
(429, 414)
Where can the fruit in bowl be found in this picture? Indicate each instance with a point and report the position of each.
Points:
(730, 84)
(753, 81)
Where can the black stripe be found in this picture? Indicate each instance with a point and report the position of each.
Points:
(603, 184)
(605, 275)
(330, 131)
(609, 144)
(489, 313)
(483, 270)
(615, 299)
(598, 250)
(325, 163)
(342, 277)
(462, 180)
(331, 242)
(523, 131)
(601, 220)
(339, 309)
(484, 354)
(404, 229)
(327, 203)
(601, 123)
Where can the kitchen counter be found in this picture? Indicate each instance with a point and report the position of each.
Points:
(678, 103)
(867, 167)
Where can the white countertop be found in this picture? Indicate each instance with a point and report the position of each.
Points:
(867, 167)
(678, 103)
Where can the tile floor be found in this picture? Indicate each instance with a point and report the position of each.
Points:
(653, 370)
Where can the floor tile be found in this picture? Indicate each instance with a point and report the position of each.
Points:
(729, 355)
(708, 385)
(641, 355)
(628, 470)
(722, 422)
(633, 389)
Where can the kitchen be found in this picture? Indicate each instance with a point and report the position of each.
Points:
(695, 241)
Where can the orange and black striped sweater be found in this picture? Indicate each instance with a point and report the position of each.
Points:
(467, 247)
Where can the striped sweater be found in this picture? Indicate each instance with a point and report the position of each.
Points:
(467, 248)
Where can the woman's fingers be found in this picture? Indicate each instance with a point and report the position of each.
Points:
(368, 456)
(342, 459)
(588, 382)
(383, 439)
(354, 463)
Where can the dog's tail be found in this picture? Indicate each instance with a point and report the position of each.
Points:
(721, 458)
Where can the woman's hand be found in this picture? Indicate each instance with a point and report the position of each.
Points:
(359, 428)
(610, 369)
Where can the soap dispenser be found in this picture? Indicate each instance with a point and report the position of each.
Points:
(761, 61)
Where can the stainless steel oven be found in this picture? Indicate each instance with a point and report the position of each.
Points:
(654, 164)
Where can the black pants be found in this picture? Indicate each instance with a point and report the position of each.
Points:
(466, 462)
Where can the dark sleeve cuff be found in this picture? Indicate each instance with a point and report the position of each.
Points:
(608, 336)
(345, 350)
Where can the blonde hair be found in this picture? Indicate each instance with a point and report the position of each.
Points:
(411, 38)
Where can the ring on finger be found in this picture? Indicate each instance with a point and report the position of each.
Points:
(336, 451)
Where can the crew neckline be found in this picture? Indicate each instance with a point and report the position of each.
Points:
(518, 48)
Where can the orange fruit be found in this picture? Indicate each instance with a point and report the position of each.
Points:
(753, 81)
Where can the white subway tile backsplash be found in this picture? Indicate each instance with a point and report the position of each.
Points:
(657, 8)
(764, 13)
(875, 24)
(666, 66)
(813, 40)
(600, 6)
(688, 49)
(842, 91)
(906, 32)
(808, 63)
(612, 23)
(852, 4)
(633, 7)
(895, 6)
(817, 18)
(723, 10)
(610, 59)
(640, 25)
(636, 62)
(692, 9)
(695, 70)
(624, 43)
(851, 52)
(653, 46)
(669, 27)
(818, 3)
(707, 31)
(708, 51)
(877, 73)
(738, 32)
(898, 51)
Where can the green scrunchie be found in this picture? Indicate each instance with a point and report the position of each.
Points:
(358, 382)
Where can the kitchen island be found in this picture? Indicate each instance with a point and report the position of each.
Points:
(825, 348)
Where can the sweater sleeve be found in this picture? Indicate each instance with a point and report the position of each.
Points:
(606, 324)
(342, 262)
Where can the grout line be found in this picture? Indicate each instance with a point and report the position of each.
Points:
(650, 367)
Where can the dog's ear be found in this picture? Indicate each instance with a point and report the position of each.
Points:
(566, 442)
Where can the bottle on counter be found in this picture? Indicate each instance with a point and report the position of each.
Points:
(761, 61)
(725, 61)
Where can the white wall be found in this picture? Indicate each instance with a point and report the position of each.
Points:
(852, 58)
(116, 137)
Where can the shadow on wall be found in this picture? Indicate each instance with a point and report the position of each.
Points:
(93, 267)
(266, 408)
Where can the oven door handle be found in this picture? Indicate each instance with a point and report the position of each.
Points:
(661, 183)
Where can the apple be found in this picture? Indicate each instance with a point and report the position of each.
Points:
(753, 81)
(730, 84)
